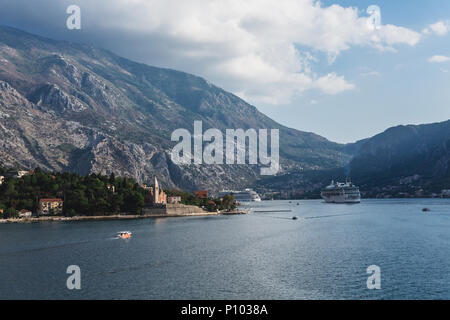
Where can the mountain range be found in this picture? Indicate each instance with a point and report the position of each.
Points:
(412, 159)
(76, 107)
(403, 161)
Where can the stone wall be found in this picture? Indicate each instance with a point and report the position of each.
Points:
(175, 210)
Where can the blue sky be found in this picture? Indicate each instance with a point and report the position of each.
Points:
(406, 88)
(309, 65)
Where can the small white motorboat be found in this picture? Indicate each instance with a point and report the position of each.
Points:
(124, 234)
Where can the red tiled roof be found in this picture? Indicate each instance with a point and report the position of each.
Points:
(51, 200)
(201, 194)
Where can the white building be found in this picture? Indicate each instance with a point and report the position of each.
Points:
(173, 200)
(25, 213)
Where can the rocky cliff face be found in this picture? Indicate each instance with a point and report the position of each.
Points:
(66, 106)
(403, 153)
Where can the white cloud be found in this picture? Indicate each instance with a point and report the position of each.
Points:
(333, 84)
(371, 74)
(441, 28)
(439, 59)
(262, 50)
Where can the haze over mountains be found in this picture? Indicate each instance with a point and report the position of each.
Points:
(67, 106)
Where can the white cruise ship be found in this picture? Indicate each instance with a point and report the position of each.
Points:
(338, 192)
(248, 195)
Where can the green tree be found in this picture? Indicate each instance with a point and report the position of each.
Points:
(133, 202)
(11, 213)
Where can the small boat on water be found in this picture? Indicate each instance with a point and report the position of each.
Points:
(124, 234)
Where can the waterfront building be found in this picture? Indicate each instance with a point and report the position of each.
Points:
(201, 194)
(24, 213)
(47, 206)
(173, 200)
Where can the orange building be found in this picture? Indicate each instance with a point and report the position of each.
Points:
(48, 205)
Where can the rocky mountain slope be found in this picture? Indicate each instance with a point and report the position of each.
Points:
(405, 156)
(75, 107)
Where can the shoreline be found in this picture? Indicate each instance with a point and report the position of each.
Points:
(116, 217)
(102, 218)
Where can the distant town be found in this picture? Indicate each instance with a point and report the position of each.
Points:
(386, 192)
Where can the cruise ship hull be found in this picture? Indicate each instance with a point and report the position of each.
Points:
(340, 199)
(242, 196)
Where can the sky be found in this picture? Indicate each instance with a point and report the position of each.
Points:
(326, 67)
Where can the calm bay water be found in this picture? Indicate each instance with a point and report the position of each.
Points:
(264, 255)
